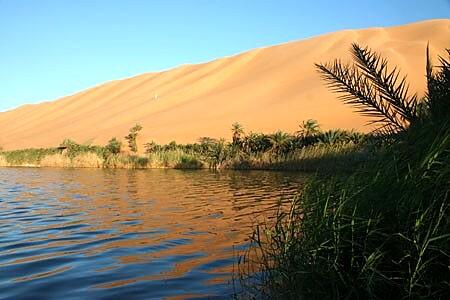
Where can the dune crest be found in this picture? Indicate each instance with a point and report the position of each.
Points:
(264, 89)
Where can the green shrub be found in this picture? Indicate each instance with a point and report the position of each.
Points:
(189, 162)
(114, 146)
(27, 156)
(73, 148)
(139, 162)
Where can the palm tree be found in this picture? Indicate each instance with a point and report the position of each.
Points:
(308, 128)
(132, 138)
(237, 131)
(279, 141)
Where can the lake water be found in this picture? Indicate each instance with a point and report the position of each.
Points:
(129, 234)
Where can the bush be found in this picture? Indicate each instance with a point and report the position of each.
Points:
(188, 162)
(138, 162)
(114, 146)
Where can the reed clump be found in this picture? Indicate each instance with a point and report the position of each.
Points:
(322, 157)
(55, 160)
(382, 232)
(3, 161)
(117, 161)
(87, 160)
(175, 159)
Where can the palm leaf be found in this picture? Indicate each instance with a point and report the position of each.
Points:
(372, 89)
(386, 82)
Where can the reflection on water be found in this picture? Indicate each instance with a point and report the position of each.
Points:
(107, 234)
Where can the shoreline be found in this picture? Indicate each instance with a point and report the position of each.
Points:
(329, 159)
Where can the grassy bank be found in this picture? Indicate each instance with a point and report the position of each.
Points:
(382, 232)
(90, 159)
(309, 151)
(330, 158)
(311, 158)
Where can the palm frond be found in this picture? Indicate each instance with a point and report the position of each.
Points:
(372, 89)
(438, 83)
(356, 89)
(387, 82)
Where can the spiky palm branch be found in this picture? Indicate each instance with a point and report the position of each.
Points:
(331, 137)
(437, 98)
(308, 128)
(373, 89)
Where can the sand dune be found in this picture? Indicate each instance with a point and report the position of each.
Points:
(264, 89)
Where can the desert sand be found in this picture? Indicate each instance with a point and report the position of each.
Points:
(264, 89)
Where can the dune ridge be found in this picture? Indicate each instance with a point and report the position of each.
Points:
(264, 89)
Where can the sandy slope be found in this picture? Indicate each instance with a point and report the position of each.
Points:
(264, 89)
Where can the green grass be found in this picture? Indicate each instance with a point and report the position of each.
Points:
(383, 232)
(319, 157)
(27, 156)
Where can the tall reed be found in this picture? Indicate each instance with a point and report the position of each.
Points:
(382, 232)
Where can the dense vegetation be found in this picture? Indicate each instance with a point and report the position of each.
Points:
(382, 232)
(307, 149)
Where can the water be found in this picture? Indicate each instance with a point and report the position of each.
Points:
(129, 234)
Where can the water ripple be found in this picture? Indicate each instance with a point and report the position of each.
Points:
(108, 234)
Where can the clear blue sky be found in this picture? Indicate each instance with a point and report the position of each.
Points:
(49, 49)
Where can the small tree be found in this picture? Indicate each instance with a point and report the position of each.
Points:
(151, 147)
(237, 131)
(132, 138)
(114, 146)
(217, 154)
(308, 128)
(171, 146)
(206, 144)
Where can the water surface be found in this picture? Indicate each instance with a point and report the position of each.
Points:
(129, 234)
